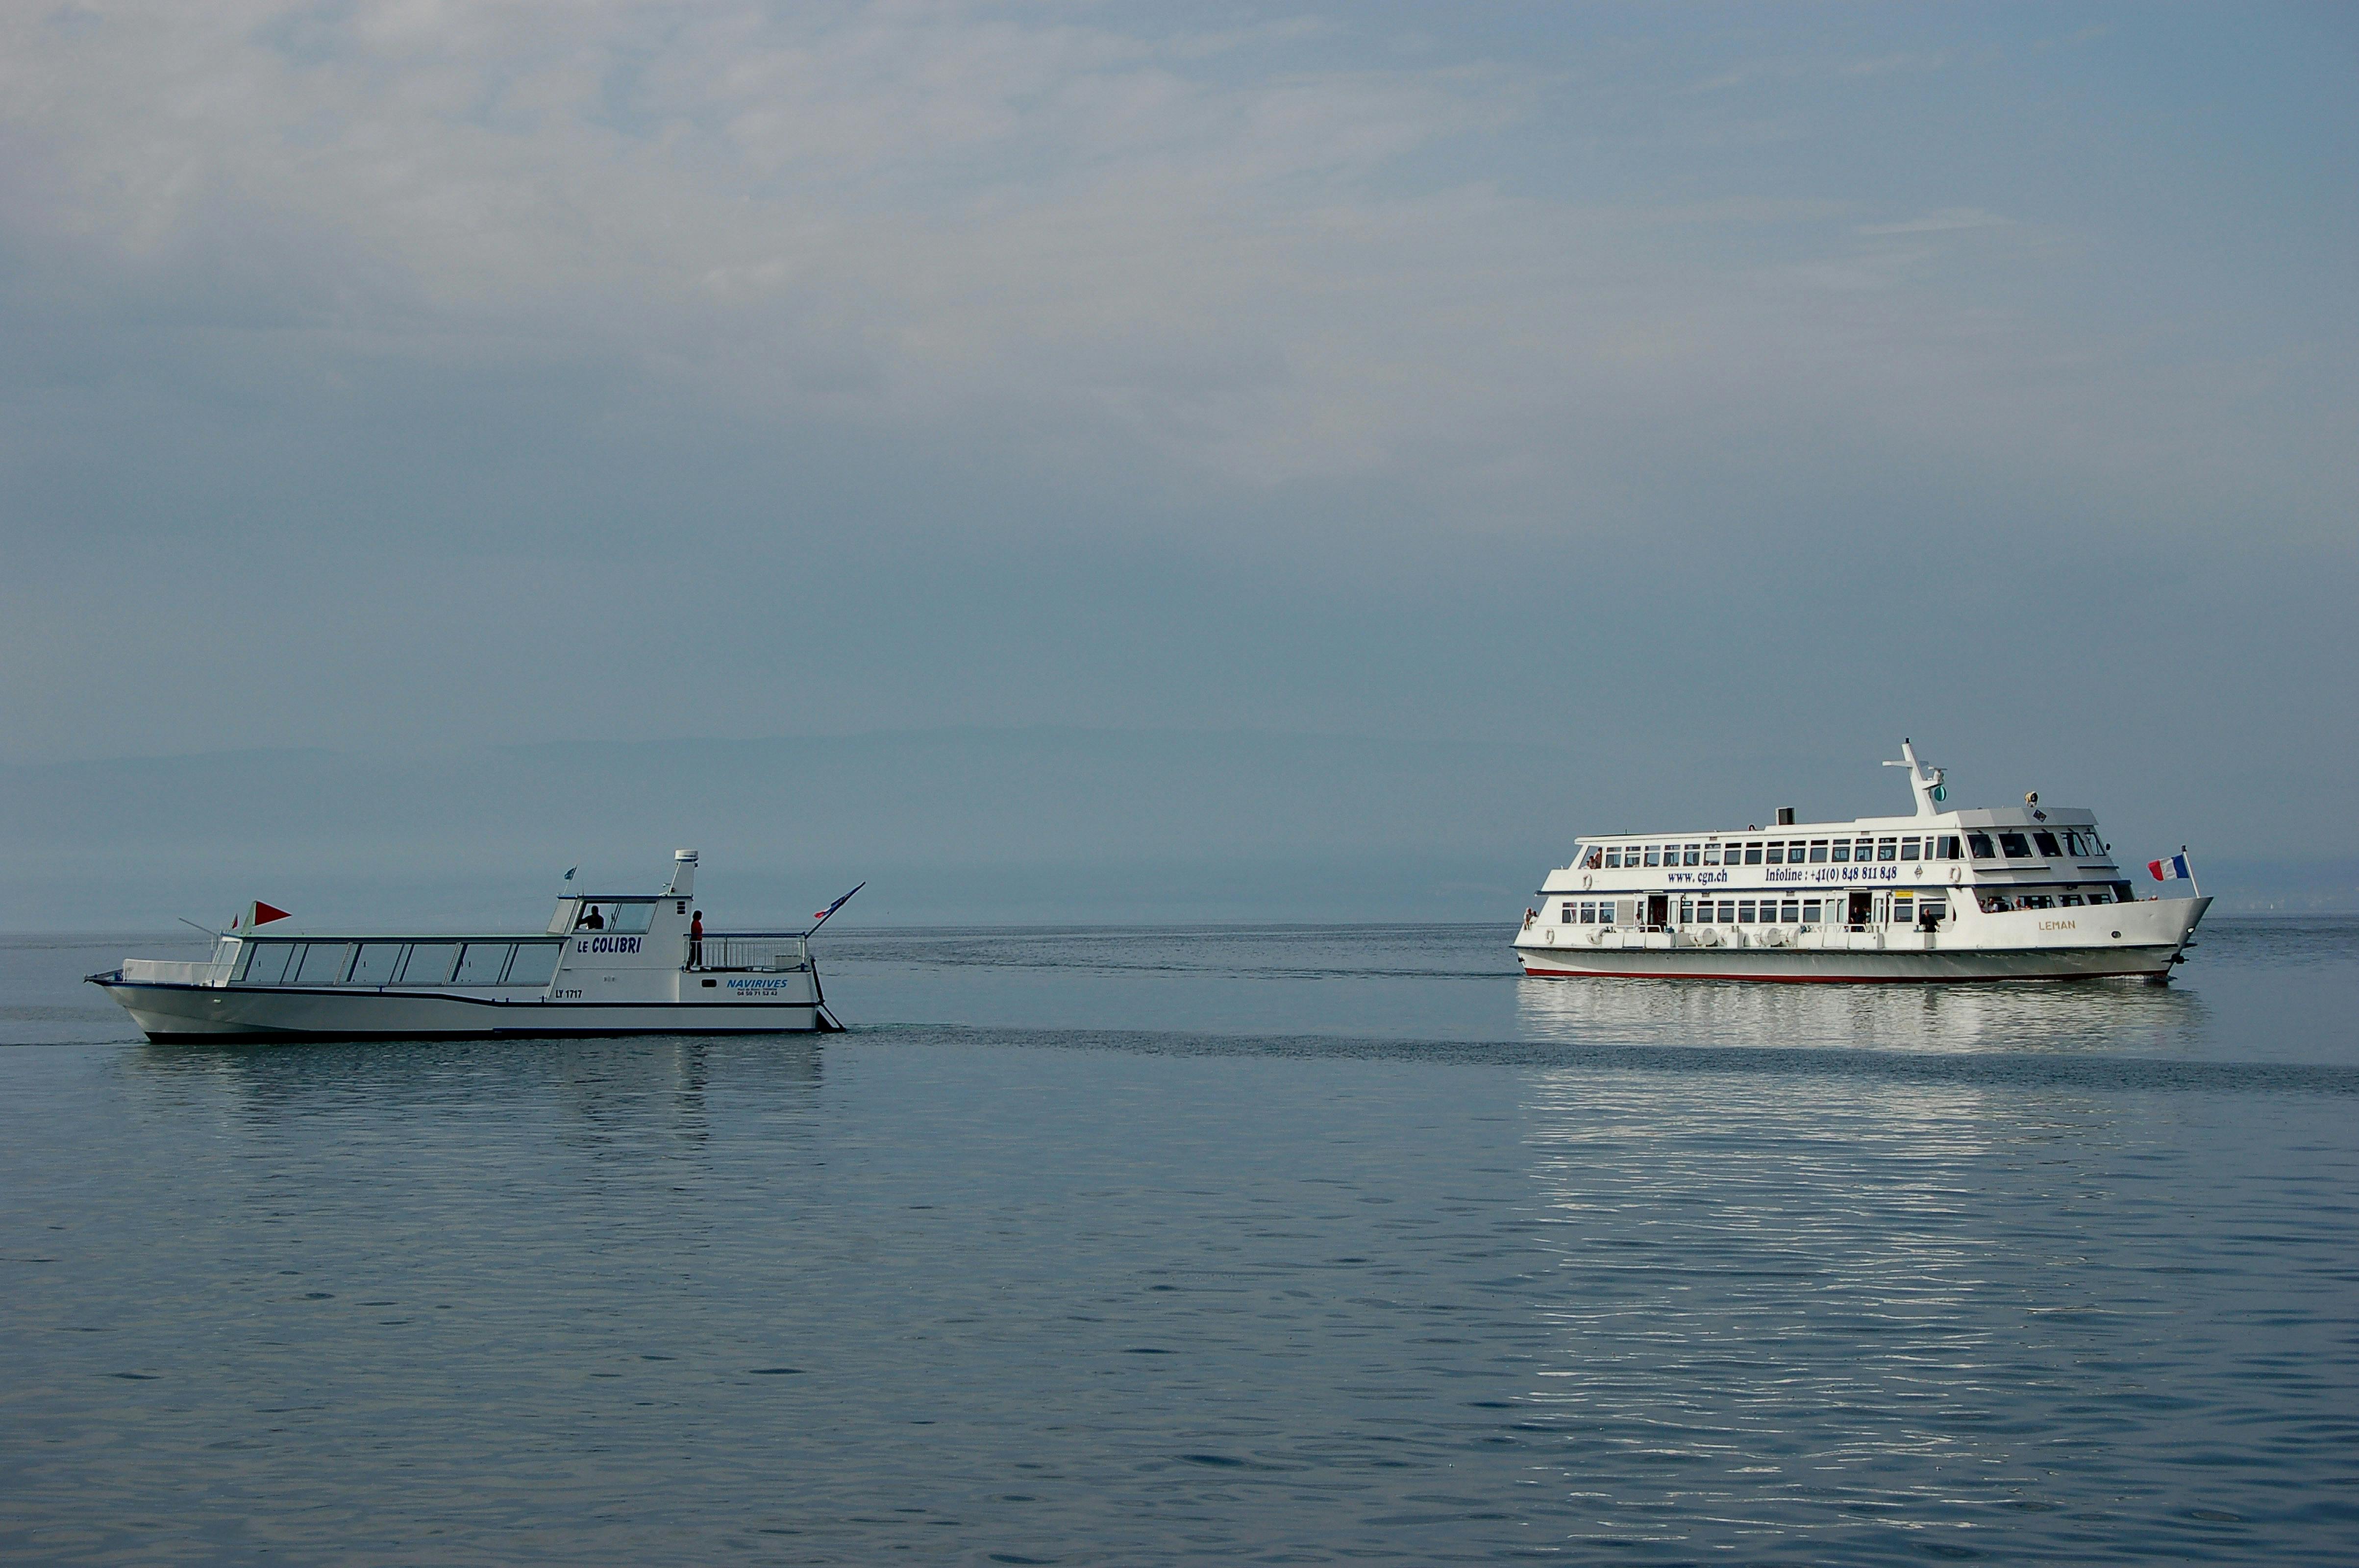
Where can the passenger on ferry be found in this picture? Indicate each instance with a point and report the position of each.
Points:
(696, 940)
(594, 921)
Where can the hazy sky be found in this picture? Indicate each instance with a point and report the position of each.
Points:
(1687, 386)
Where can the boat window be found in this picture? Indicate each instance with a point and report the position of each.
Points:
(2099, 898)
(1843, 850)
(1727, 912)
(266, 962)
(1564, 915)
(2015, 846)
(376, 964)
(1753, 853)
(1612, 858)
(1904, 908)
(481, 963)
(429, 963)
(2047, 843)
(2039, 901)
(1863, 849)
(1818, 851)
(533, 963)
(1711, 854)
(1979, 843)
(321, 964)
(1995, 906)
(1744, 911)
(1949, 848)
(1789, 912)
(1933, 911)
(1909, 849)
(1654, 855)
(1887, 847)
(1687, 911)
(2070, 901)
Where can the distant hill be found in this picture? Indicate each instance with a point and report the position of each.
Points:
(948, 826)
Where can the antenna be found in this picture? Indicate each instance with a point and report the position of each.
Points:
(1926, 787)
(206, 929)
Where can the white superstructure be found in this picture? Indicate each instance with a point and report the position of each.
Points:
(616, 963)
(2011, 893)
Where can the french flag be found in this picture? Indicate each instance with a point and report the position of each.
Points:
(2165, 869)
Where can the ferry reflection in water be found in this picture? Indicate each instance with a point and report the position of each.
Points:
(1800, 1290)
(2108, 1015)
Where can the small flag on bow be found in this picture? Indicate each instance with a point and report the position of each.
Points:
(2164, 871)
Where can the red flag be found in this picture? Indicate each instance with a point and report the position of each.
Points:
(261, 914)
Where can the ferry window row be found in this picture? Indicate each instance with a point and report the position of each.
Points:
(1906, 908)
(1998, 904)
(2051, 845)
(1915, 847)
(397, 964)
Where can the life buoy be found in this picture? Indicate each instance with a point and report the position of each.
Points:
(1957, 875)
(1584, 883)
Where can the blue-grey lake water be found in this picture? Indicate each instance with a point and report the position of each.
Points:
(1344, 1244)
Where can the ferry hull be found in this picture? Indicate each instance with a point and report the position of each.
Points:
(1774, 965)
(2140, 940)
(167, 1011)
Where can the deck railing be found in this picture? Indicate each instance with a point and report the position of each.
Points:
(742, 951)
(174, 972)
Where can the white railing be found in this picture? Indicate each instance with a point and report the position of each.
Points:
(174, 972)
(758, 950)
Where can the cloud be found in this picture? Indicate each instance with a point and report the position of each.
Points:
(1072, 358)
(1237, 251)
(1944, 222)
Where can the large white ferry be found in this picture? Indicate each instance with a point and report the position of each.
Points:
(2013, 892)
(607, 964)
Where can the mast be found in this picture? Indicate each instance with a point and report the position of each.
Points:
(1924, 782)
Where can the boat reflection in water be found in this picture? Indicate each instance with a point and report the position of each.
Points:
(2110, 1015)
(622, 1090)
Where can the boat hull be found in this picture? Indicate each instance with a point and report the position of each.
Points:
(2140, 940)
(1786, 965)
(169, 1011)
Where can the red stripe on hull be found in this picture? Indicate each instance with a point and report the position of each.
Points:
(1829, 979)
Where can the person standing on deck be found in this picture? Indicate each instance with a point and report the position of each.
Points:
(696, 940)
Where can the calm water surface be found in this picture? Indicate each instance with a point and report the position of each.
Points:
(1284, 1246)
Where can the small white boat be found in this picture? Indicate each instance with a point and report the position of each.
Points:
(2010, 893)
(607, 964)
